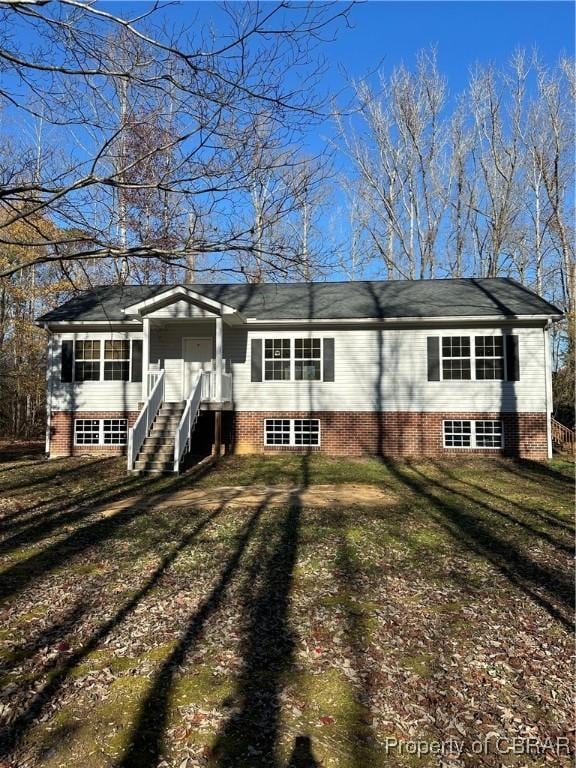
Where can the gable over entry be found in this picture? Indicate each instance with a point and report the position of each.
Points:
(180, 302)
(175, 306)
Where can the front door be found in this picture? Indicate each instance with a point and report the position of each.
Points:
(196, 356)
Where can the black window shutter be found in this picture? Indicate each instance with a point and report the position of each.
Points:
(433, 358)
(256, 360)
(512, 358)
(136, 360)
(328, 362)
(67, 361)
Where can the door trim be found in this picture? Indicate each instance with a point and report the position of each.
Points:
(184, 340)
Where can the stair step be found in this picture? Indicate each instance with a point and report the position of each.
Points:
(154, 465)
(162, 434)
(166, 419)
(159, 441)
(164, 453)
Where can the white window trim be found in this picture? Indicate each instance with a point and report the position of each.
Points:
(292, 443)
(472, 359)
(473, 445)
(101, 360)
(100, 432)
(292, 340)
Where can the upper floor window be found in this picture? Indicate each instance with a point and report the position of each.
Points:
(479, 357)
(307, 360)
(292, 359)
(489, 353)
(277, 359)
(117, 360)
(87, 361)
(456, 363)
(101, 360)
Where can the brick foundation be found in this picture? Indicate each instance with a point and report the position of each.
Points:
(62, 433)
(348, 433)
(393, 433)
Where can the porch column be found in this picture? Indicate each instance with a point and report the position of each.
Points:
(145, 356)
(219, 359)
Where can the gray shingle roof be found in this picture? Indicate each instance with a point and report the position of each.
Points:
(338, 300)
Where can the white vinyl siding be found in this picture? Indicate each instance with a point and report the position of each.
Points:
(181, 310)
(386, 370)
(100, 395)
(373, 370)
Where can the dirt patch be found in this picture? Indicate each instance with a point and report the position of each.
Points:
(320, 496)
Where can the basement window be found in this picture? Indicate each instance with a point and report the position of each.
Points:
(297, 433)
(100, 431)
(114, 431)
(464, 433)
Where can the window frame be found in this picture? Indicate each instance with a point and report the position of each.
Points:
(473, 435)
(101, 359)
(82, 360)
(117, 360)
(282, 359)
(292, 359)
(473, 358)
(101, 441)
(292, 433)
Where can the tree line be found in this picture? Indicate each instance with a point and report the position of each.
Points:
(131, 152)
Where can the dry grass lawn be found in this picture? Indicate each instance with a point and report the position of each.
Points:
(151, 623)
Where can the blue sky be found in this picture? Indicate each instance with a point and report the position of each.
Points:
(384, 34)
(464, 32)
(388, 33)
(391, 32)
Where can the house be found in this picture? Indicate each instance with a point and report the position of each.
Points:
(392, 368)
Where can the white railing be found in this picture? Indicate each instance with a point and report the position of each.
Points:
(138, 433)
(209, 384)
(188, 420)
(152, 378)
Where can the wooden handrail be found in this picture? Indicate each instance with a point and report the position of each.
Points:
(562, 436)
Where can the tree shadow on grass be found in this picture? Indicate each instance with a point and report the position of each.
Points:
(489, 506)
(302, 755)
(21, 574)
(146, 741)
(10, 452)
(54, 473)
(348, 576)
(545, 586)
(536, 471)
(250, 736)
(11, 736)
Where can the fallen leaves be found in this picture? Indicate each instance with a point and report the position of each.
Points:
(386, 624)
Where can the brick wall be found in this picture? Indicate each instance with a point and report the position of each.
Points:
(62, 433)
(349, 433)
(394, 433)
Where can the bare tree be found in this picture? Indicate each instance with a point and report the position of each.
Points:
(399, 153)
(213, 84)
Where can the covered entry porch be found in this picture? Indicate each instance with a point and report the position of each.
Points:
(182, 350)
(184, 372)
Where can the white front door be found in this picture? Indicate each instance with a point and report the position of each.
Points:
(196, 356)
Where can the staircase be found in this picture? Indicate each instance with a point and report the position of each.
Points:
(157, 452)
